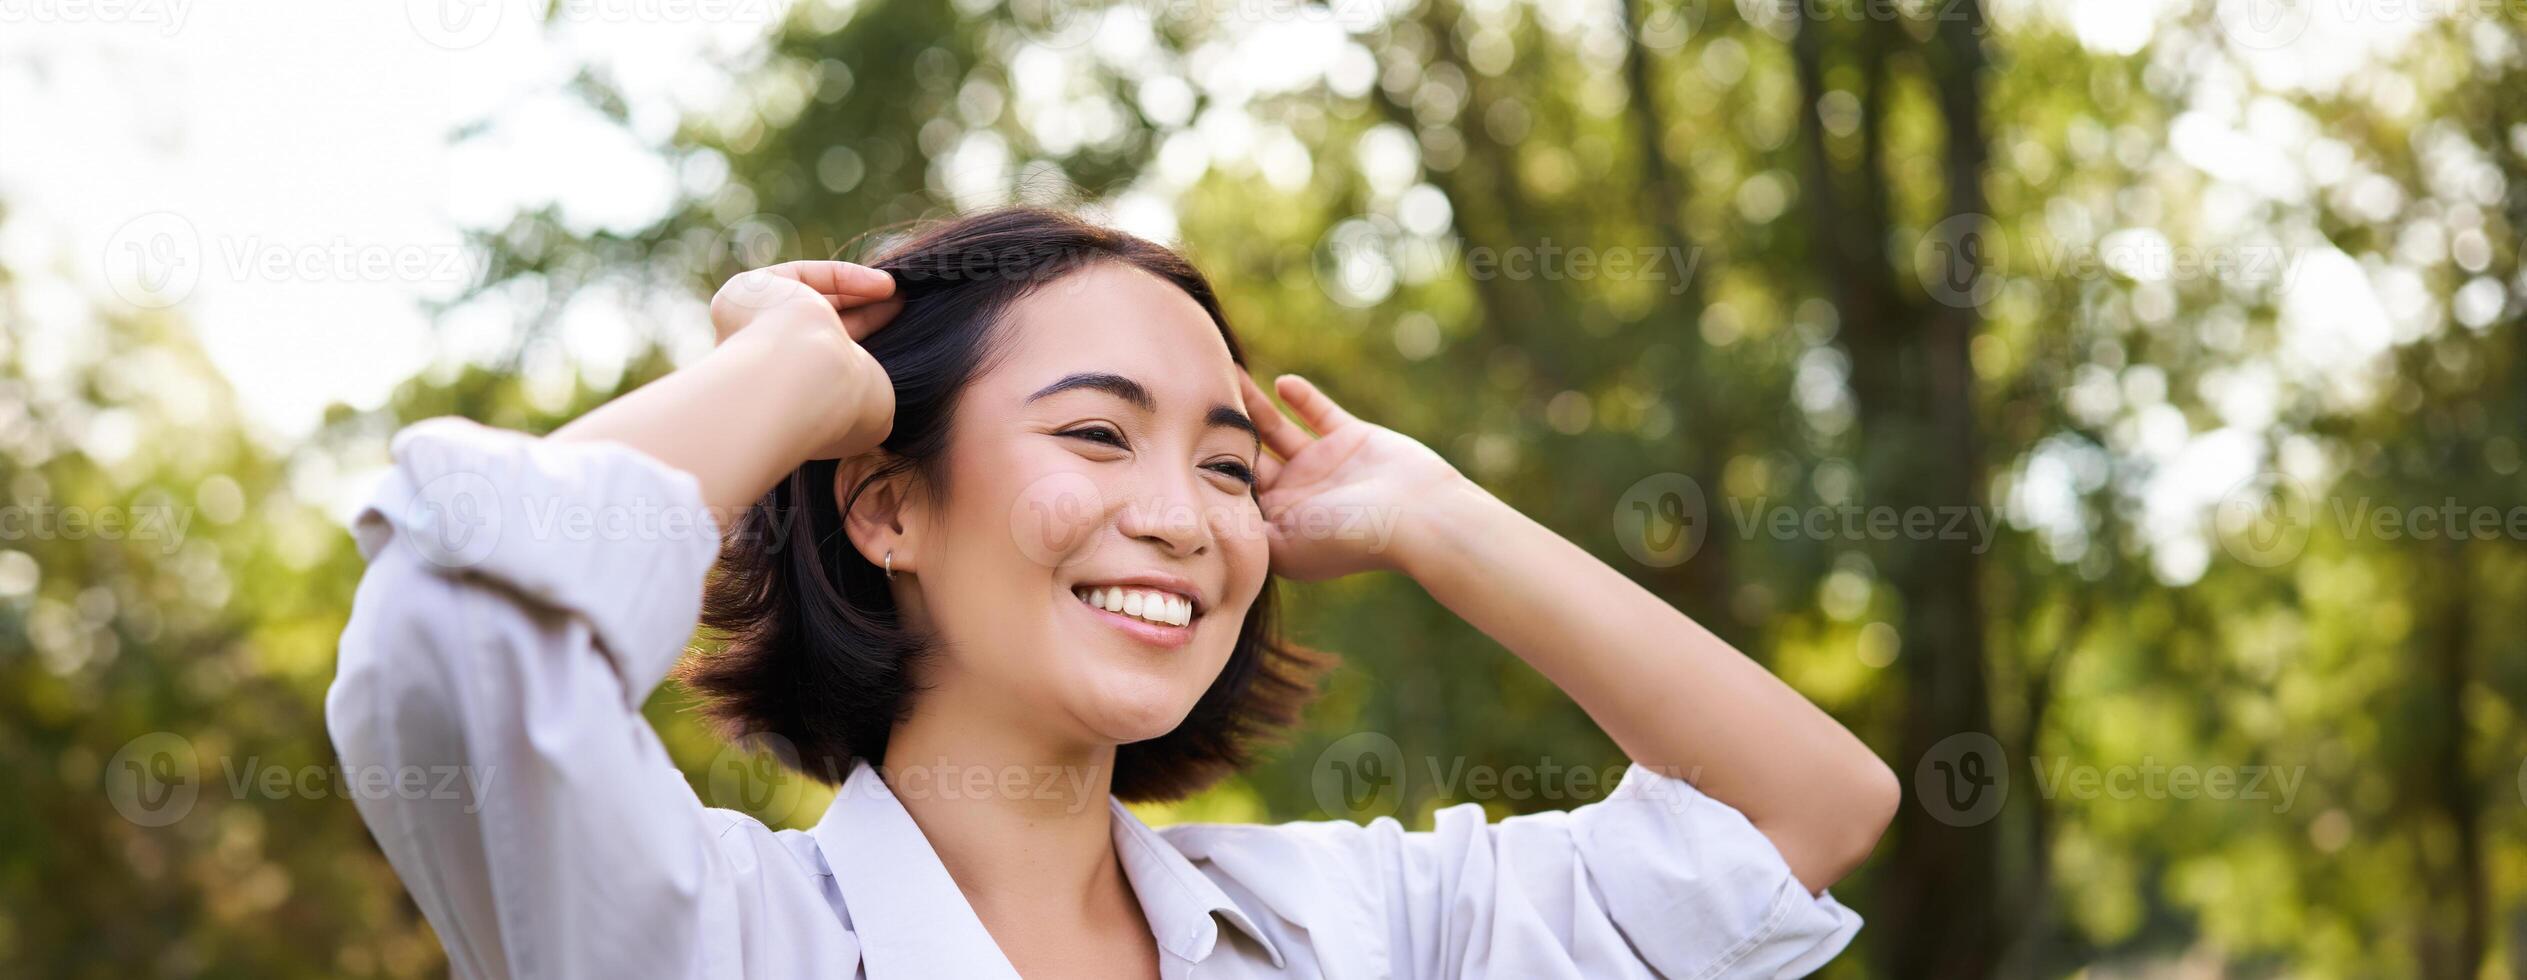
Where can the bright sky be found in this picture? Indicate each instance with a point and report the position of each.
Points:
(283, 173)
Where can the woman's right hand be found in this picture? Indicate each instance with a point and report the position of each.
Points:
(816, 314)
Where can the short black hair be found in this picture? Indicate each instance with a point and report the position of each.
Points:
(812, 648)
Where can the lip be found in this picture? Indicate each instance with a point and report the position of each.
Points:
(1153, 634)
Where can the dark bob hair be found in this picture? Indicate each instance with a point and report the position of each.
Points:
(813, 650)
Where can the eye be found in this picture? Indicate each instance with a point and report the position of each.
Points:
(1235, 469)
(1097, 433)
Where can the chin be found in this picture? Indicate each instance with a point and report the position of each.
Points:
(1122, 710)
(1122, 691)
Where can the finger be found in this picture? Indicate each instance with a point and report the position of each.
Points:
(862, 320)
(1267, 472)
(1280, 435)
(838, 281)
(1314, 407)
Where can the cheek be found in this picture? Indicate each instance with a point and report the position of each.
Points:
(1054, 516)
(1239, 529)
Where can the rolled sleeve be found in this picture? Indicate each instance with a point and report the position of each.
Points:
(1656, 880)
(522, 599)
(1697, 889)
(594, 529)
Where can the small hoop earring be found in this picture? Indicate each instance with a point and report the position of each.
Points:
(890, 564)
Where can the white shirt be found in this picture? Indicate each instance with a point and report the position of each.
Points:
(523, 598)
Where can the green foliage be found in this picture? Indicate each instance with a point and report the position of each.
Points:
(1797, 366)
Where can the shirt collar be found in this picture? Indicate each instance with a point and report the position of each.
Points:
(1183, 905)
(913, 921)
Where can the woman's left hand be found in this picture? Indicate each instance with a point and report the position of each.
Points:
(1337, 500)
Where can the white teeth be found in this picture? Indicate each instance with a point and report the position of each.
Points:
(1157, 607)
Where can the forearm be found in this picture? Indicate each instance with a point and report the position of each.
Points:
(1674, 696)
(739, 419)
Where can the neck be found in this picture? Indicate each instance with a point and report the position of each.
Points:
(1022, 824)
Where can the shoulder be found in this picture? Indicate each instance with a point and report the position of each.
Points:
(748, 844)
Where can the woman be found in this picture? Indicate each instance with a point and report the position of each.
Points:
(1003, 514)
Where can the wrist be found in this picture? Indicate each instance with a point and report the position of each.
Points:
(1436, 529)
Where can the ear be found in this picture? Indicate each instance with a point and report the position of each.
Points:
(889, 515)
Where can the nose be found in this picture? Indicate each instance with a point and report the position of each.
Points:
(1167, 511)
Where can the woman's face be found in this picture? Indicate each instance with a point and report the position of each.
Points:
(1103, 455)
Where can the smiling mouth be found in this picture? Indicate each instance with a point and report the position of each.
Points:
(1154, 606)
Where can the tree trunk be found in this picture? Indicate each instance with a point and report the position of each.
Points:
(1913, 384)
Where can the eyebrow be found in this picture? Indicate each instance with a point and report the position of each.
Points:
(1219, 417)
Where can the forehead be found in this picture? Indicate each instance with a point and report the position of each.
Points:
(1116, 318)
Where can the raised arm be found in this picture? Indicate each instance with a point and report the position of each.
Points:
(1675, 697)
(789, 382)
(523, 598)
